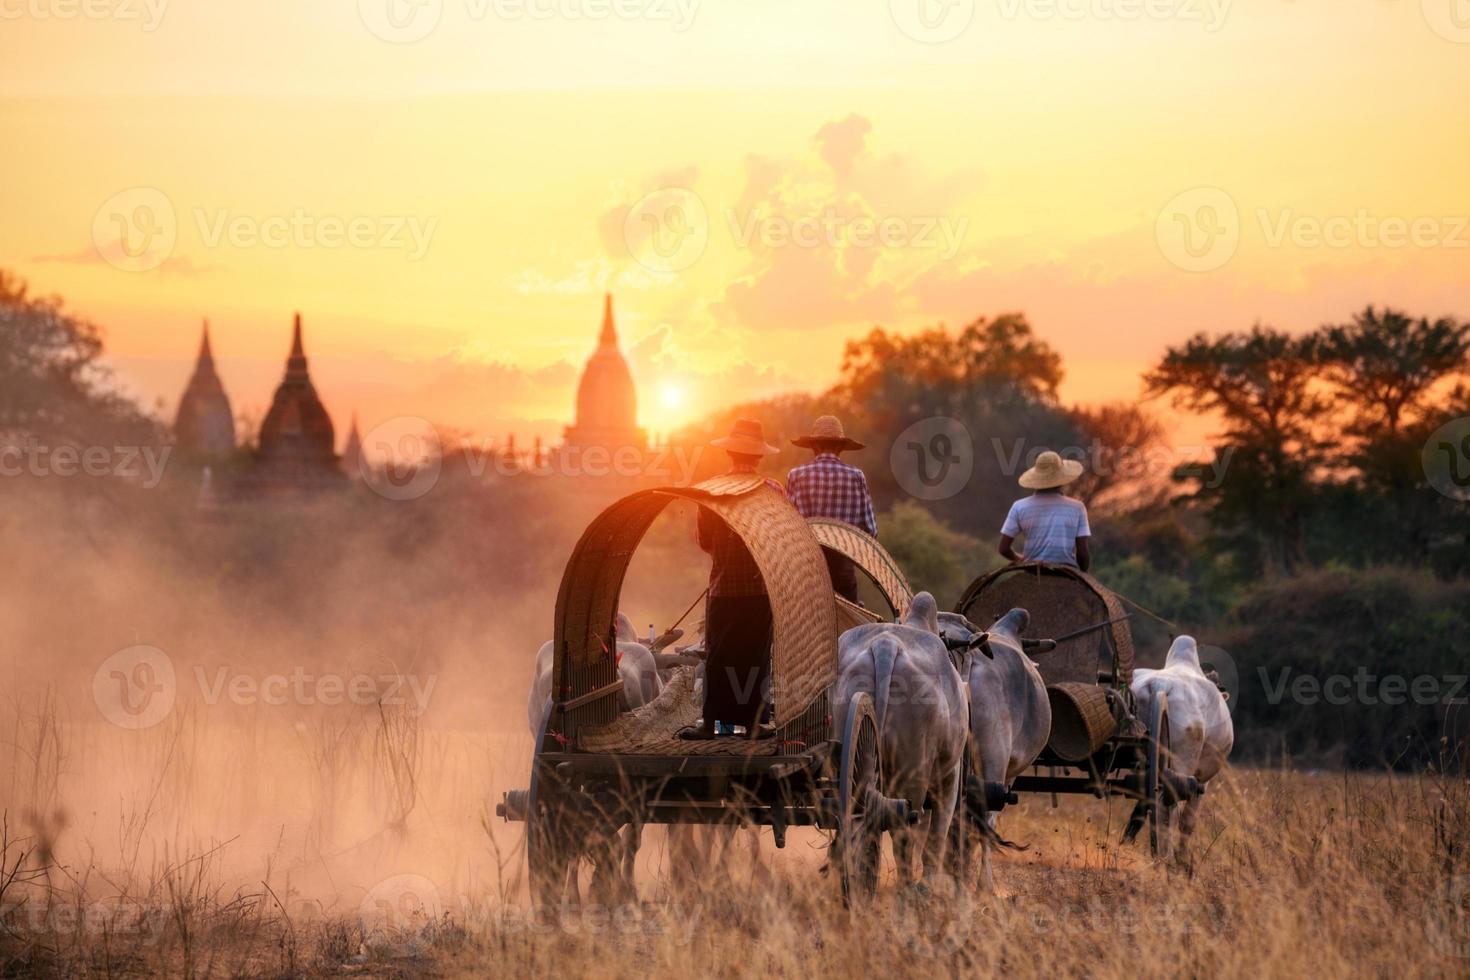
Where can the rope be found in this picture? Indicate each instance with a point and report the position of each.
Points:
(689, 610)
(1151, 614)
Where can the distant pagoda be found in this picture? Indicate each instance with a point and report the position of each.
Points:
(297, 445)
(607, 402)
(205, 424)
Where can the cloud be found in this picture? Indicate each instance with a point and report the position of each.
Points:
(175, 265)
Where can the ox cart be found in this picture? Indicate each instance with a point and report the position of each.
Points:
(598, 769)
(1098, 744)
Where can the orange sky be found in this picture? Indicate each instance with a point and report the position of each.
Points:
(447, 211)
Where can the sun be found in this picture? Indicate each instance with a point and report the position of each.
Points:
(671, 396)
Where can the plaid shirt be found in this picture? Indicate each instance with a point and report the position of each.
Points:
(732, 569)
(828, 487)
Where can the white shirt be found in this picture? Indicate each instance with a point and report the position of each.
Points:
(1052, 523)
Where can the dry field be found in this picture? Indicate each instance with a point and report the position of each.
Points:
(361, 844)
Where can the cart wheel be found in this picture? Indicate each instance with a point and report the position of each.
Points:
(1157, 758)
(858, 839)
(549, 856)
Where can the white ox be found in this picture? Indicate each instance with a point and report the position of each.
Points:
(1010, 714)
(639, 670)
(923, 720)
(1201, 734)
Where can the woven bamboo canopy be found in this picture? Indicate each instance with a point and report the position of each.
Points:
(864, 551)
(804, 654)
(1060, 599)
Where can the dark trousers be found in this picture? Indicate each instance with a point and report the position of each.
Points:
(737, 636)
(844, 575)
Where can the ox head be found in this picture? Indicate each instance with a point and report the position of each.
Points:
(623, 628)
(1183, 652)
(923, 614)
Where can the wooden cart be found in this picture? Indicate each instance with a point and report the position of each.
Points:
(1099, 745)
(597, 769)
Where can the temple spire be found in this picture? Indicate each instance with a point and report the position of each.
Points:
(206, 354)
(609, 335)
(296, 363)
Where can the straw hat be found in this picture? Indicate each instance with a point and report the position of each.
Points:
(747, 436)
(1050, 471)
(827, 433)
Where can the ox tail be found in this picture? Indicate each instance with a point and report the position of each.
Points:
(885, 654)
(993, 836)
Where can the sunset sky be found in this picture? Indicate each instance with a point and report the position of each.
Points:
(1126, 172)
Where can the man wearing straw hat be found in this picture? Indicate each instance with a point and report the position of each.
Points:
(828, 487)
(737, 617)
(1055, 525)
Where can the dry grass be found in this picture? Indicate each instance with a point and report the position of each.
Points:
(1289, 874)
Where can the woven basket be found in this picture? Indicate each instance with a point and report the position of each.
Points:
(1059, 599)
(1081, 720)
(865, 551)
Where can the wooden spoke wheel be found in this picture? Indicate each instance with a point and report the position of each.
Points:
(859, 837)
(1156, 758)
(550, 855)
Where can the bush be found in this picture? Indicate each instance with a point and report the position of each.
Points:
(1350, 666)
